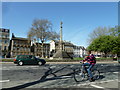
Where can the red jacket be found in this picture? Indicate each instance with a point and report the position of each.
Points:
(90, 59)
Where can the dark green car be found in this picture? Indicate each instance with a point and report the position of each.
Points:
(28, 59)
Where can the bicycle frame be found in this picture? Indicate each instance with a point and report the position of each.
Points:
(80, 77)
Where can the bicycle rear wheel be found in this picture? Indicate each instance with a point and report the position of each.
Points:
(96, 74)
(77, 76)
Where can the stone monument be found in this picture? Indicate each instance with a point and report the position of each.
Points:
(61, 54)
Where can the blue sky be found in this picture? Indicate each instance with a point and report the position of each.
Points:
(79, 18)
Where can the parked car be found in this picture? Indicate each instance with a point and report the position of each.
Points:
(28, 59)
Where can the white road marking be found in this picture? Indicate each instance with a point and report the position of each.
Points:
(96, 86)
(115, 72)
(109, 81)
(5, 81)
(100, 82)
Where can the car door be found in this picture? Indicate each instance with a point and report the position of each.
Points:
(33, 60)
(24, 59)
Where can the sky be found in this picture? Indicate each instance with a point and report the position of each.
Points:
(79, 18)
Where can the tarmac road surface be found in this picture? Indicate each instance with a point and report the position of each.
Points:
(34, 76)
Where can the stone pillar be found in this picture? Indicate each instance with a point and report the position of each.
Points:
(60, 37)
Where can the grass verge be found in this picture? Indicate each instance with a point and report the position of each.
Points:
(64, 60)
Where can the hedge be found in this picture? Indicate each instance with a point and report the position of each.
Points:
(65, 60)
(7, 60)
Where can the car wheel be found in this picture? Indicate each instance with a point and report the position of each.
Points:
(39, 63)
(20, 63)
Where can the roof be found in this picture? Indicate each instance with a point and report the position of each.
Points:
(4, 30)
(64, 42)
(19, 38)
(82, 47)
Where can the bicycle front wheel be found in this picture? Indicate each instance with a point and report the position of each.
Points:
(96, 74)
(78, 77)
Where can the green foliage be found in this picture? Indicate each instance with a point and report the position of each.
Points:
(116, 48)
(72, 60)
(114, 31)
(64, 60)
(107, 43)
(77, 58)
(7, 60)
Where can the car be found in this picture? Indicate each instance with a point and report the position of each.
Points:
(28, 59)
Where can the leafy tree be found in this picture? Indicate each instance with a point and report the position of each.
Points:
(116, 46)
(100, 31)
(41, 31)
(115, 31)
(105, 43)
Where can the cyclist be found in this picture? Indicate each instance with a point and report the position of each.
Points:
(89, 61)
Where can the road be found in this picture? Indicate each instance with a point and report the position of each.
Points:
(34, 76)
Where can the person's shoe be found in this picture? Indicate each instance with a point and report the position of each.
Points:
(91, 80)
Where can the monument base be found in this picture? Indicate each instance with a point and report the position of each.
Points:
(60, 55)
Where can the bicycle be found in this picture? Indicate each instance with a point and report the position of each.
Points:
(78, 76)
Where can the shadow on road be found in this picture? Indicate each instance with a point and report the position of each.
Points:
(101, 77)
(51, 71)
(42, 79)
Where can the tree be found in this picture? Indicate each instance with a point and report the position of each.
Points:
(116, 47)
(100, 31)
(103, 44)
(97, 32)
(106, 44)
(41, 31)
(115, 31)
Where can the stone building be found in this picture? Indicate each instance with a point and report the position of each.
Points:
(79, 51)
(19, 46)
(37, 49)
(4, 42)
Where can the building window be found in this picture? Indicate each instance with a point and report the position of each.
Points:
(6, 36)
(0, 47)
(5, 48)
(5, 41)
(18, 48)
(15, 42)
